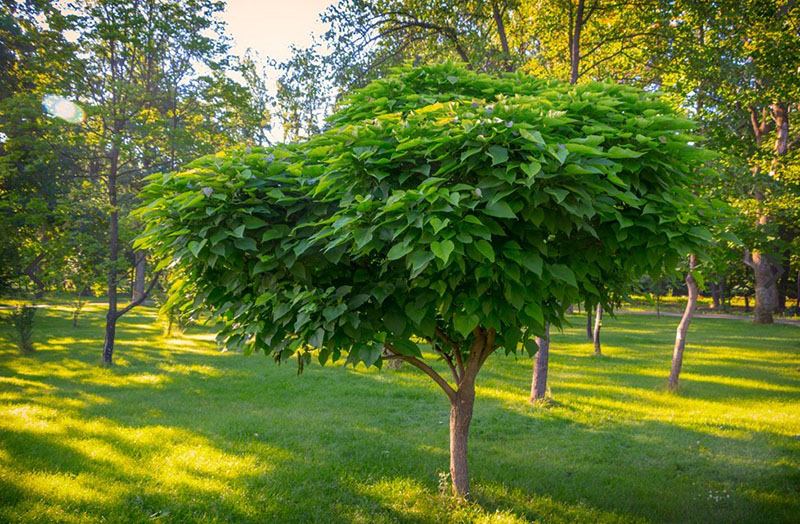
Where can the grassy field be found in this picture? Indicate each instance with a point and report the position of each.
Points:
(179, 432)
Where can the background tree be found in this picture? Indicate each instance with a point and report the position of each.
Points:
(437, 206)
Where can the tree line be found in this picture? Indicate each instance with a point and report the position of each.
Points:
(152, 86)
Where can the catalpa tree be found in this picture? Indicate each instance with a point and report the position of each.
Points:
(444, 215)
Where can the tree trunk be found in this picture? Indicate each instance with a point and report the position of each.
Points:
(747, 303)
(589, 315)
(683, 327)
(598, 322)
(575, 44)
(113, 254)
(139, 270)
(766, 277)
(715, 295)
(658, 306)
(540, 364)
(460, 417)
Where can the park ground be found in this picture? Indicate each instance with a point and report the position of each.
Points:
(178, 431)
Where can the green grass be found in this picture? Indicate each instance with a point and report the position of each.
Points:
(179, 432)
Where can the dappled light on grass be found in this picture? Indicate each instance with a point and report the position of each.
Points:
(182, 432)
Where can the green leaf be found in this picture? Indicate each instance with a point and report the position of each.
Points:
(464, 324)
(534, 311)
(531, 168)
(563, 273)
(395, 321)
(620, 152)
(499, 209)
(245, 243)
(531, 346)
(399, 251)
(406, 348)
(420, 259)
(442, 249)
(499, 155)
(195, 246)
(532, 262)
(486, 249)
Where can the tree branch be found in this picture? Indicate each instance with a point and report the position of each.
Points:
(141, 298)
(448, 390)
(456, 350)
(447, 358)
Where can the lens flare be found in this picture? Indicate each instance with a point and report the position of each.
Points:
(59, 107)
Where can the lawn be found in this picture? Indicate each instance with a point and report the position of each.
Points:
(180, 432)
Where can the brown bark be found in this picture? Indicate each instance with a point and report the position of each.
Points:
(683, 327)
(540, 366)
(589, 315)
(766, 270)
(575, 42)
(461, 398)
(497, 14)
(113, 254)
(598, 322)
(766, 277)
(460, 417)
(715, 304)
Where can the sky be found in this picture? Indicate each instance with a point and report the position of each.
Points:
(271, 26)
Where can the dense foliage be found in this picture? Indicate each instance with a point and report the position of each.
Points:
(437, 201)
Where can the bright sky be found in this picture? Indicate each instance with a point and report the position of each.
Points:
(271, 26)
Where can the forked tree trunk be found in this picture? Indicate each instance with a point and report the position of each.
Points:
(540, 365)
(683, 327)
(460, 417)
(598, 322)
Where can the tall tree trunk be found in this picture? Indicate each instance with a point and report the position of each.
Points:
(575, 43)
(683, 327)
(460, 417)
(598, 322)
(766, 277)
(589, 315)
(139, 271)
(540, 366)
(113, 255)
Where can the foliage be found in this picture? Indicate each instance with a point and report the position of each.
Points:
(22, 318)
(437, 203)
